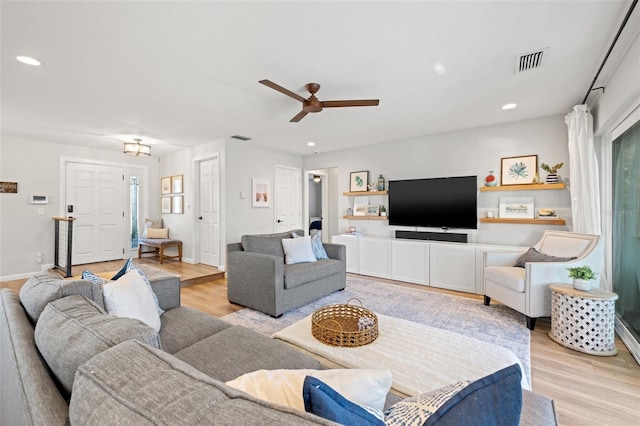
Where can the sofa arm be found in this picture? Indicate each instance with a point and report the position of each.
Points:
(501, 258)
(336, 251)
(256, 281)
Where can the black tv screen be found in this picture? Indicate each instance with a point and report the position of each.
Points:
(449, 202)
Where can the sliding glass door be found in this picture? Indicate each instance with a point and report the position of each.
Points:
(626, 228)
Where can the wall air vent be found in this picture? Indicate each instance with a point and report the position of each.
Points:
(241, 138)
(530, 60)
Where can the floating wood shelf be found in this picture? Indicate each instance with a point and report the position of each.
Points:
(364, 193)
(529, 187)
(366, 217)
(558, 221)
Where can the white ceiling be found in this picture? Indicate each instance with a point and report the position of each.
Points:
(185, 73)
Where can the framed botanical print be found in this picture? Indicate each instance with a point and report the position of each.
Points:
(518, 170)
(177, 204)
(165, 185)
(359, 181)
(165, 205)
(176, 184)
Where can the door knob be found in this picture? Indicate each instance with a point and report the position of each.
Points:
(280, 221)
(200, 218)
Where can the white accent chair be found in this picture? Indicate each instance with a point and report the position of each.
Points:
(527, 289)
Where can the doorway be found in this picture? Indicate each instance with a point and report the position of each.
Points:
(209, 211)
(316, 202)
(287, 199)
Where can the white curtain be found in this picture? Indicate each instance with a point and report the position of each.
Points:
(583, 172)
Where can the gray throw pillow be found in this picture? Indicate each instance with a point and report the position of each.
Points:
(533, 255)
(73, 330)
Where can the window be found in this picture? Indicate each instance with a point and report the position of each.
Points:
(133, 208)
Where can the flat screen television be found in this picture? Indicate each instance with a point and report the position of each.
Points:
(449, 202)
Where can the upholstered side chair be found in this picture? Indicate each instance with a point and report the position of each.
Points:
(526, 289)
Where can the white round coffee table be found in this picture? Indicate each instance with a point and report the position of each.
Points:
(583, 320)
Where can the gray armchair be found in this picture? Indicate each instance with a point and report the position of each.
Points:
(258, 278)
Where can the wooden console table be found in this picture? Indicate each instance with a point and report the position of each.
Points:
(583, 320)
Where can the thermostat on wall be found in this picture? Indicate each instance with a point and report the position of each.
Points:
(39, 199)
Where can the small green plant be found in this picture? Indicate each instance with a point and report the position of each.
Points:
(549, 169)
(582, 273)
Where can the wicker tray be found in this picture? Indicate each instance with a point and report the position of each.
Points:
(344, 325)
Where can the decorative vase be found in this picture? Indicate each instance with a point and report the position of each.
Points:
(583, 285)
(490, 180)
(381, 183)
(553, 178)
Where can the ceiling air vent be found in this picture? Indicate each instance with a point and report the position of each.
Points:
(241, 138)
(530, 60)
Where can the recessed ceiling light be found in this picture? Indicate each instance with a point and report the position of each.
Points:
(439, 68)
(509, 106)
(311, 143)
(28, 60)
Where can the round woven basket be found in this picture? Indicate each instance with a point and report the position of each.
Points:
(344, 325)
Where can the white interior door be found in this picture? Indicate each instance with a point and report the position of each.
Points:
(94, 197)
(288, 199)
(210, 212)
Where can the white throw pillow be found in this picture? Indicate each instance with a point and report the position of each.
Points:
(367, 387)
(129, 297)
(297, 250)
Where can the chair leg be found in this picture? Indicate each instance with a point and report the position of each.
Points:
(531, 323)
(487, 300)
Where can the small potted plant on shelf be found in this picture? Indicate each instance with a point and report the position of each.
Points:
(582, 275)
(552, 177)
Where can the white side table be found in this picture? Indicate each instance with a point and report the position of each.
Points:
(583, 320)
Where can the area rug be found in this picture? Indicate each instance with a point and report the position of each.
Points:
(495, 324)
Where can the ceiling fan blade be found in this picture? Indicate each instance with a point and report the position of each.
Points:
(299, 116)
(351, 103)
(282, 90)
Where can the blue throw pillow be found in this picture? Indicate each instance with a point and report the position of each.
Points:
(317, 247)
(495, 399)
(322, 400)
(130, 266)
(96, 280)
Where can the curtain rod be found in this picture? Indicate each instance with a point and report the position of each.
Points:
(624, 22)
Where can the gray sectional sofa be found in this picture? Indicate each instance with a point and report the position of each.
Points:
(57, 330)
(259, 278)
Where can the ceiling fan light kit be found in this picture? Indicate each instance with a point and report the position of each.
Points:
(313, 104)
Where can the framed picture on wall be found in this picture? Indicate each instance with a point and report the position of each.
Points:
(165, 205)
(518, 170)
(359, 181)
(165, 185)
(260, 192)
(176, 184)
(177, 204)
(516, 207)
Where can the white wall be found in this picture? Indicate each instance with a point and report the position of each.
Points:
(35, 166)
(469, 152)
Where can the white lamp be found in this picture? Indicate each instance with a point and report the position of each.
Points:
(137, 149)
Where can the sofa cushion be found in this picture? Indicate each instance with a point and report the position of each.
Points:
(363, 386)
(135, 384)
(302, 273)
(511, 277)
(43, 288)
(492, 400)
(129, 296)
(270, 244)
(297, 250)
(324, 401)
(130, 266)
(236, 350)
(533, 255)
(73, 329)
(151, 224)
(182, 327)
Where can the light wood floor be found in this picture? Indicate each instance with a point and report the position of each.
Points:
(587, 390)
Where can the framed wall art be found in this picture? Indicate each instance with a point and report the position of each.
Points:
(516, 207)
(518, 170)
(165, 205)
(177, 204)
(359, 181)
(176, 184)
(261, 192)
(165, 185)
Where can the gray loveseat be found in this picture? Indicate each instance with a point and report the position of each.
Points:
(258, 278)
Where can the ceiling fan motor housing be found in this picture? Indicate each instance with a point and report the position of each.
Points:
(312, 105)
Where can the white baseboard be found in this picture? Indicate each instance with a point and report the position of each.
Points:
(43, 268)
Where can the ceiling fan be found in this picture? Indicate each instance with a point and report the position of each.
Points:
(313, 104)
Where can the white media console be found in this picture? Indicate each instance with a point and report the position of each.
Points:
(454, 266)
